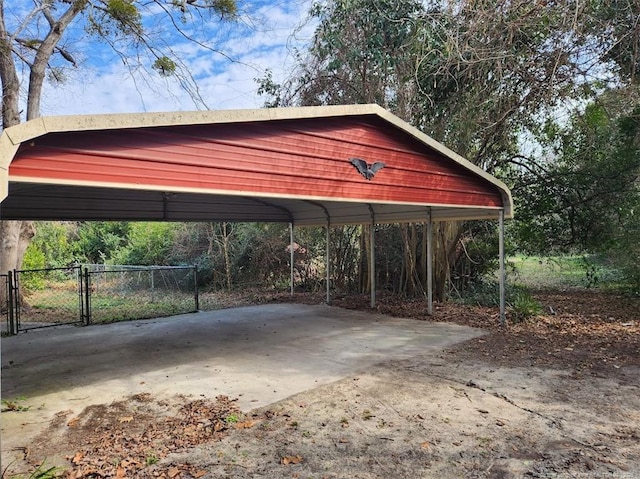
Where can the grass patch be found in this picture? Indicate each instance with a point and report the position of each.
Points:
(545, 272)
(60, 306)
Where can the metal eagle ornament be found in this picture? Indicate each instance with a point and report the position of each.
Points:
(366, 170)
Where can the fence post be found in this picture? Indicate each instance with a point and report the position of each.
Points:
(87, 295)
(10, 305)
(195, 287)
(15, 291)
(80, 279)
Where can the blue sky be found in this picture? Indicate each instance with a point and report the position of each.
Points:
(262, 39)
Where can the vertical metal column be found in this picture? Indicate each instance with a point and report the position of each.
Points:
(195, 288)
(13, 326)
(87, 296)
(80, 282)
(372, 271)
(15, 293)
(502, 273)
(430, 266)
(291, 277)
(328, 266)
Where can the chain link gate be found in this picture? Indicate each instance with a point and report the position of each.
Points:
(48, 297)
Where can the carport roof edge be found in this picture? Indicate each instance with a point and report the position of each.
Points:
(13, 137)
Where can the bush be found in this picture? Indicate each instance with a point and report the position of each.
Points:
(34, 258)
(522, 305)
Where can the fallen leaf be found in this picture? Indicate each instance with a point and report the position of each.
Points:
(198, 474)
(291, 460)
(73, 422)
(77, 458)
(245, 424)
(125, 419)
(173, 472)
(425, 445)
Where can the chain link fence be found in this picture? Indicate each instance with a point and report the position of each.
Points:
(117, 293)
(95, 294)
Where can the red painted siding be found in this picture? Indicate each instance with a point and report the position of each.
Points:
(301, 158)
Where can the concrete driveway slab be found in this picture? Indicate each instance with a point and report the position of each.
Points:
(259, 354)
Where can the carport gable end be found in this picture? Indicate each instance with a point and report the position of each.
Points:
(289, 158)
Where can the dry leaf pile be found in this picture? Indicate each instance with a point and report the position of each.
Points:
(582, 330)
(129, 438)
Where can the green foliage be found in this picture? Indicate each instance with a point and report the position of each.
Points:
(145, 244)
(55, 241)
(165, 66)
(225, 8)
(126, 15)
(14, 405)
(269, 88)
(97, 241)
(151, 459)
(116, 18)
(476, 254)
(42, 472)
(232, 418)
(586, 198)
(625, 252)
(522, 305)
(34, 258)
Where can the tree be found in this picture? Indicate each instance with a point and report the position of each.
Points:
(586, 196)
(34, 40)
(476, 75)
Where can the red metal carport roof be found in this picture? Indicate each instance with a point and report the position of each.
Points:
(273, 165)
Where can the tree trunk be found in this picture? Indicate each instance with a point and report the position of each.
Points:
(444, 252)
(15, 237)
(423, 257)
(365, 260)
(227, 257)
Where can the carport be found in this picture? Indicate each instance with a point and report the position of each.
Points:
(287, 165)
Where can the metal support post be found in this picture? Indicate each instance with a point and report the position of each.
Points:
(328, 266)
(502, 273)
(87, 296)
(291, 259)
(195, 287)
(372, 271)
(430, 266)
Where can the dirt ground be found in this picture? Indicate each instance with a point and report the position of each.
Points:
(555, 397)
